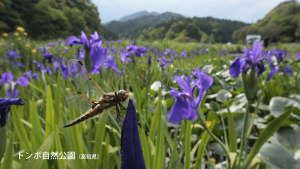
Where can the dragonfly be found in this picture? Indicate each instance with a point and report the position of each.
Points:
(95, 101)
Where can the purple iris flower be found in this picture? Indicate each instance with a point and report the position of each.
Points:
(79, 55)
(298, 56)
(59, 41)
(98, 59)
(42, 69)
(111, 63)
(204, 51)
(184, 53)
(113, 50)
(164, 62)
(87, 44)
(174, 56)
(185, 103)
(131, 149)
(91, 46)
(56, 65)
(7, 77)
(136, 50)
(29, 75)
(106, 41)
(195, 52)
(223, 52)
(288, 70)
(5, 104)
(96, 39)
(118, 42)
(65, 71)
(251, 60)
(20, 65)
(67, 50)
(12, 54)
(168, 50)
(279, 54)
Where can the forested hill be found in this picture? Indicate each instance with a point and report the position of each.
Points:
(44, 19)
(280, 24)
(137, 15)
(206, 29)
(121, 28)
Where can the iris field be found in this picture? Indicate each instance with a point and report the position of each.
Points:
(209, 105)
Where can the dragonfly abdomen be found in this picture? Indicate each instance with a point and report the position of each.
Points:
(85, 116)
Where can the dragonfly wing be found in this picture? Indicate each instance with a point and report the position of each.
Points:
(83, 80)
(79, 102)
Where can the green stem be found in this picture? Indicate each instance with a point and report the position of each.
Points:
(203, 121)
(147, 91)
(244, 132)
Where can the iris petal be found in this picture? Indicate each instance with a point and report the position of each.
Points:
(236, 67)
(179, 111)
(22, 81)
(72, 40)
(182, 83)
(97, 56)
(272, 72)
(7, 77)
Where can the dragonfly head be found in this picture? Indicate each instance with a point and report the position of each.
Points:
(123, 95)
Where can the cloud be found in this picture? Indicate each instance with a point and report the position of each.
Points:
(243, 10)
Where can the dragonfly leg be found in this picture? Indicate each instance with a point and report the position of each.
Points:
(118, 113)
(116, 94)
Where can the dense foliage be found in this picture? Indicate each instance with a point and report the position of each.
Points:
(124, 29)
(193, 29)
(282, 23)
(44, 19)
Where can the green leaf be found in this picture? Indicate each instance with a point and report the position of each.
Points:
(49, 113)
(61, 163)
(258, 163)
(3, 142)
(232, 133)
(20, 129)
(202, 146)
(37, 163)
(223, 95)
(187, 154)
(36, 126)
(174, 156)
(271, 128)
(8, 156)
(58, 99)
(98, 139)
(278, 104)
(277, 156)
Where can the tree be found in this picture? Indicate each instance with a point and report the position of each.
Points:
(241, 33)
(48, 22)
(211, 38)
(271, 30)
(204, 38)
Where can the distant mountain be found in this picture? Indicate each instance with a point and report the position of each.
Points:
(137, 15)
(108, 34)
(281, 24)
(204, 29)
(121, 28)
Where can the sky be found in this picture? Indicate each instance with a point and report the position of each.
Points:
(248, 11)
